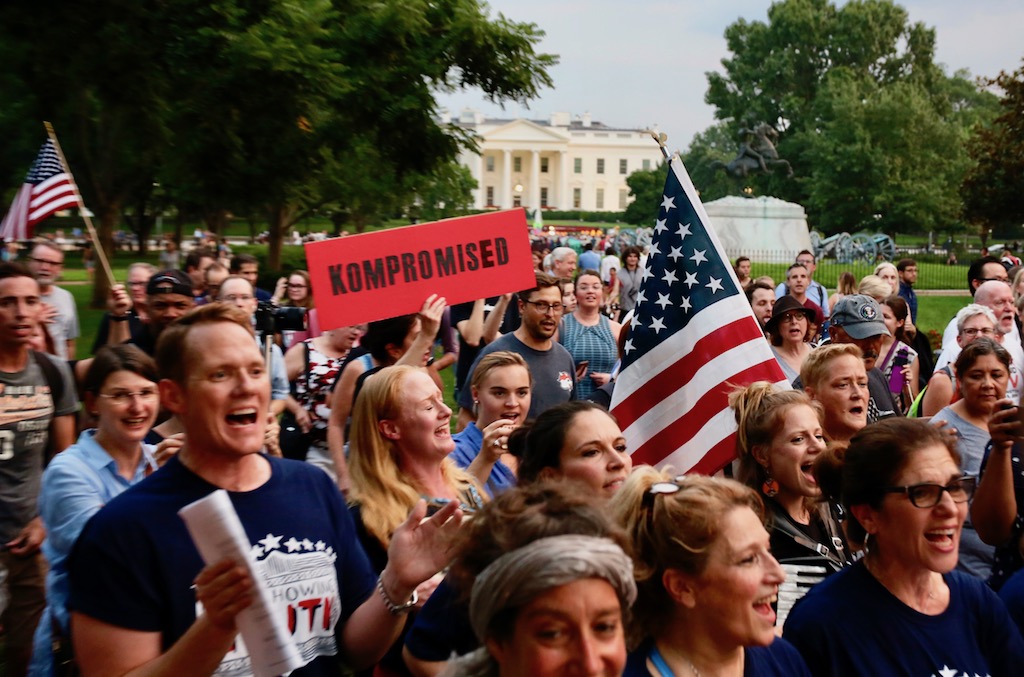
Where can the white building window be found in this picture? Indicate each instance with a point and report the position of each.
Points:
(543, 197)
(623, 197)
(600, 165)
(517, 164)
(490, 196)
(517, 201)
(543, 165)
(623, 164)
(490, 162)
(599, 199)
(647, 165)
(577, 166)
(577, 197)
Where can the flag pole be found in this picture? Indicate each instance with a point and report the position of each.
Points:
(660, 138)
(97, 245)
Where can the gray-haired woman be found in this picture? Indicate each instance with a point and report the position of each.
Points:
(553, 607)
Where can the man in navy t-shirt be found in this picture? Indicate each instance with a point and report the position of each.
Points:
(142, 596)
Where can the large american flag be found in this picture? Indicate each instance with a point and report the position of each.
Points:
(693, 339)
(48, 188)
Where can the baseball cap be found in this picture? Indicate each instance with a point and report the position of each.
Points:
(860, 316)
(169, 282)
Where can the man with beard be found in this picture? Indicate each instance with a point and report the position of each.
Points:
(857, 319)
(60, 312)
(552, 367)
(761, 299)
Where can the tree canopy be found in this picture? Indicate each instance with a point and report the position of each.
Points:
(873, 127)
(994, 188)
(270, 105)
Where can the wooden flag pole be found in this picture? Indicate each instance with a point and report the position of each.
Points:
(96, 244)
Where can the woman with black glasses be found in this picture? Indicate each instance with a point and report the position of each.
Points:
(902, 609)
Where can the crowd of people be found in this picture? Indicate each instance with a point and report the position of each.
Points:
(871, 523)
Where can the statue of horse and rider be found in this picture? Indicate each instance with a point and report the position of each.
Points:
(757, 154)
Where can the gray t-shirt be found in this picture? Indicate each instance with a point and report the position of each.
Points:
(553, 371)
(65, 326)
(976, 556)
(26, 411)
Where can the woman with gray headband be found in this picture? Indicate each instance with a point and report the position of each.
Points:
(553, 607)
(706, 579)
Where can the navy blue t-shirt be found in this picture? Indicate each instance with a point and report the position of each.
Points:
(850, 624)
(778, 659)
(134, 564)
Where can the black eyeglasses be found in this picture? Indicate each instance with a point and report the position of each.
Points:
(1004, 280)
(545, 307)
(928, 495)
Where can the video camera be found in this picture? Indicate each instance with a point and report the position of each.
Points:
(271, 319)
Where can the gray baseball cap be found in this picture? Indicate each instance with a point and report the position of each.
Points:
(860, 316)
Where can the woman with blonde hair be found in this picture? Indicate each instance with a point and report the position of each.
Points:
(875, 287)
(845, 285)
(501, 385)
(779, 436)
(399, 453)
(400, 441)
(706, 578)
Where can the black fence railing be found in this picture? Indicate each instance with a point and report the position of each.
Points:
(935, 272)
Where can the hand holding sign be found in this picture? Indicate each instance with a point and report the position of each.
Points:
(385, 274)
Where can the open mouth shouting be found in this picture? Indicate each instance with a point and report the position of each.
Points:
(241, 418)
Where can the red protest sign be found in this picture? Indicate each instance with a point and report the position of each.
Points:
(374, 276)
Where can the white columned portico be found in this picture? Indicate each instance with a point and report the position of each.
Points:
(481, 192)
(534, 180)
(563, 181)
(506, 179)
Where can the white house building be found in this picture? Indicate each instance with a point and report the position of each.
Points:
(559, 163)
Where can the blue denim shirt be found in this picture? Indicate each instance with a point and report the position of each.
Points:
(77, 483)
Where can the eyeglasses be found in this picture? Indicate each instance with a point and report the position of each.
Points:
(1004, 280)
(928, 495)
(985, 331)
(124, 397)
(545, 307)
(46, 261)
(793, 317)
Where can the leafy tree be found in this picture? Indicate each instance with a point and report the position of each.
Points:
(871, 125)
(445, 192)
(993, 189)
(645, 186)
(232, 105)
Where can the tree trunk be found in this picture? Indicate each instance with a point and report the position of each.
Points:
(215, 221)
(280, 218)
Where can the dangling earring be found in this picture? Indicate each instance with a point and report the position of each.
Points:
(770, 488)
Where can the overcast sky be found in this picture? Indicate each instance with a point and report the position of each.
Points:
(642, 62)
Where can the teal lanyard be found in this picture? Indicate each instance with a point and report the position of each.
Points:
(659, 662)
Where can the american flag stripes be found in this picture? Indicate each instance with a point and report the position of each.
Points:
(693, 339)
(48, 188)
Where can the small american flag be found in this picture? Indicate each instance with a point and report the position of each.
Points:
(48, 188)
(693, 339)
